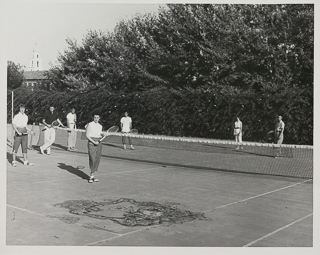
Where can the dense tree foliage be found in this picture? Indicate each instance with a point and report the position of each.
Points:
(14, 75)
(195, 67)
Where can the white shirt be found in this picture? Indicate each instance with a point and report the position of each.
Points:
(94, 130)
(279, 126)
(126, 124)
(71, 117)
(20, 120)
(238, 124)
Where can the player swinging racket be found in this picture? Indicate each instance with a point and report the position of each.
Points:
(19, 124)
(126, 126)
(50, 121)
(94, 135)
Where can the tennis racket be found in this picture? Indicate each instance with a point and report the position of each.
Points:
(24, 131)
(111, 130)
(134, 131)
(54, 124)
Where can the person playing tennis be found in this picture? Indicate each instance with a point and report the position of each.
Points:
(72, 134)
(19, 124)
(278, 134)
(49, 119)
(237, 132)
(126, 126)
(94, 135)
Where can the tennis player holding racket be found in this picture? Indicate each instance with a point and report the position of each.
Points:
(126, 126)
(19, 124)
(94, 135)
(50, 120)
(72, 134)
(278, 135)
(237, 132)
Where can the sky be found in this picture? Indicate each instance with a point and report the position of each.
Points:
(44, 27)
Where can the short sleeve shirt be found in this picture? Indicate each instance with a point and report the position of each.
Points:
(94, 130)
(126, 121)
(20, 120)
(71, 117)
(279, 126)
(238, 124)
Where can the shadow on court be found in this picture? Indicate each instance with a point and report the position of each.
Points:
(73, 170)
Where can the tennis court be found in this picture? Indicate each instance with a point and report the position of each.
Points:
(156, 196)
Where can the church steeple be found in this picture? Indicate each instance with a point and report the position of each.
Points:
(35, 63)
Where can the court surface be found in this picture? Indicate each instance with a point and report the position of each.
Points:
(140, 203)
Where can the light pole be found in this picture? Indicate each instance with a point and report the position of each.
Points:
(12, 97)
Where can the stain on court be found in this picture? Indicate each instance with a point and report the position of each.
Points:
(129, 212)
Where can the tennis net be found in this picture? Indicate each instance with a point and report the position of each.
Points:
(209, 154)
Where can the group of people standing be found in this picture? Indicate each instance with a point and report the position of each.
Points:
(93, 134)
(278, 132)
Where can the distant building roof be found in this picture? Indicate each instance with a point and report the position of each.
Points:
(34, 75)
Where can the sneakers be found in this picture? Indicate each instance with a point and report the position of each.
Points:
(124, 147)
(131, 146)
(41, 150)
(26, 163)
(92, 179)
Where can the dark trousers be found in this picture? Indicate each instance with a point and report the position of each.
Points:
(94, 152)
(23, 140)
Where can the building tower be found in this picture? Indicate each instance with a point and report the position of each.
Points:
(35, 63)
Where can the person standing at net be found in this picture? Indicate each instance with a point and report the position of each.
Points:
(278, 132)
(72, 134)
(126, 126)
(237, 132)
(19, 124)
(49, 130)
(94, 134)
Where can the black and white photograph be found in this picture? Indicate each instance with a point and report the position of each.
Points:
(159, 127)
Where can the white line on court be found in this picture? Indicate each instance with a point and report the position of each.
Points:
(276, 231)
(25, 210)
(260, 195)
(122, 235)
(73, 178)
(223, 206)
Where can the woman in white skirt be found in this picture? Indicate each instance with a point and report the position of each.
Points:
(237, 132)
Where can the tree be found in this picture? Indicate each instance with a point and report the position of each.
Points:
(250, 60)
(14, 75)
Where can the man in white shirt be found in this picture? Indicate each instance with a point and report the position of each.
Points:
(72, 134)
(238, 133)
(49, 130)
(94, 134)
(126, 126)
(19, 124)
(278, 132)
